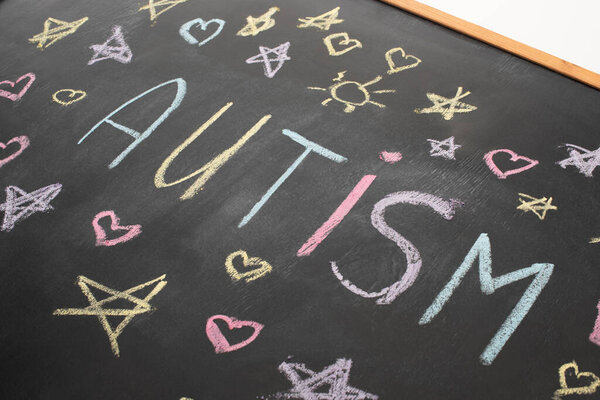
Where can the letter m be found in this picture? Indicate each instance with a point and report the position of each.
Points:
(481, 252)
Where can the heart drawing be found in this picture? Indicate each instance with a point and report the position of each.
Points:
(590, 381)
(16, 96)
(353, 43)
(392, 65)
(250, 275)
(131, 231)
(23, 142)
(220, 343)
(514, 157)
(184, 31)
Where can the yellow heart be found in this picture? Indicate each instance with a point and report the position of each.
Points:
(251, 275)
(71, 93)
(393, 69)
(566, 390)
(345, 41)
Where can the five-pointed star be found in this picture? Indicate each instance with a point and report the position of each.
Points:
(323, 21)
(95, 308)
(447, 106)
(50, 35)
(20, 204)
(530, 203)
(280, 53)
(152, 4)
(115, 47)
(444, 148)
(583, 159)
(311, 387)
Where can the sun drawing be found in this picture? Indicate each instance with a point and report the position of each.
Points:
(361, 87)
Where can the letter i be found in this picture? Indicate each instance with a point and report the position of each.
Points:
(595, 335)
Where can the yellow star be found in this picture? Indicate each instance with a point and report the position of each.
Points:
(167, 4)
(542, 204)
(95, 308)
(256, 25)
(323, 21)
(52, 34)
(447, 106)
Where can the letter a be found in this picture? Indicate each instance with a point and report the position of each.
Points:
(140, 136)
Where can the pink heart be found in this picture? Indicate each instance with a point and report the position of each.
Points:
(23, 143)
(488, 157)
(132, 230)
(14, 96)
(219, 341)
(390, 157)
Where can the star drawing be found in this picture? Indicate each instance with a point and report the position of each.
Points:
(153, 4)
(443, 148)
(20, 204)
(583, 159)
(537, 206)
(279, 57)
(447, 106)
(52, 34)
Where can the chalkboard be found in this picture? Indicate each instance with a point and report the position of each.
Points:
(290, 200)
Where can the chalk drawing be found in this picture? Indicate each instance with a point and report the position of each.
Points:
(22, 141)
(153, 4)
(445, 208)
(17, 96)
(393, 68)
(390, 157)
(54, 30)
(594, 240)
(210, 168)
(97, 308)
(131, 231)
(361, 87)
(583, 159)
(140, 136)
(310, 385)
(338, 215)
(595, 335)
(220, 342)
(72, 95)
(514, 157)
(345, 41)
(280, 56)
(19, 204)
(591, 381)
(443, 148)
(537, 206)
(481, 252)
(309, 148)
(322, 22)
(447, 107)
(184, 31)
(254, 26)
(248, 262)
(114, 48)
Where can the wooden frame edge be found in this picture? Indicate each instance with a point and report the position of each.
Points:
(502, 42)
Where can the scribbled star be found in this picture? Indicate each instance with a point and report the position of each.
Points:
(54, 30)
(114, 47)
(254, 26)
(323, 21)
(310, 385)
(153, 4)
(279, 56)
(447, 106)
(537, 206)
(583, 159)
(443, 148)
(360, 89)
(99, 309)
(20, 204)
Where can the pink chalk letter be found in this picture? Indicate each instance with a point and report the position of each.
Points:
(337, 216)
(101, 240)
(220, 343)
(17, 96)
(514, 157)
(595, 336)
(23, 142)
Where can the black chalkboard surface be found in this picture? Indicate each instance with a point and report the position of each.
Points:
(289, 200)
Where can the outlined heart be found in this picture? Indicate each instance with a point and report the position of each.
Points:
(219, 342)
(17, 96)
(73, 95)
(345, 41)
(101, 240)
(184, 31)
(23, 142)
(514, 157)
(264, 267)
(392, 65)
(565, 390)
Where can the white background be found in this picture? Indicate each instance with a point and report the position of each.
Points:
(566, 29)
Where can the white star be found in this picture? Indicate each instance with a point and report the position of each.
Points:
(438, 150)
(20, 204)
(585, 162)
